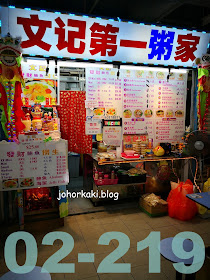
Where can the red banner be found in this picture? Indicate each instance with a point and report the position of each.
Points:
(72, 115)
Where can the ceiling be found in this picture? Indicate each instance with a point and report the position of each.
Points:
(190, 14)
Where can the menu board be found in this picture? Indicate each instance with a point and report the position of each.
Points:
(30, 165)
(149, 101)
(103, 93)
(155, 104)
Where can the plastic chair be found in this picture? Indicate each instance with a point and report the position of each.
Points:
(35, 274)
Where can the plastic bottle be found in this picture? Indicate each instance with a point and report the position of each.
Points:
(100, 177)
(112, 175)
(96, 175)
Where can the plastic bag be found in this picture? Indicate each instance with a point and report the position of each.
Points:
(179, 206)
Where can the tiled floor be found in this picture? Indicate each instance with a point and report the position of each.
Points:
(86, 230)
(83, 205)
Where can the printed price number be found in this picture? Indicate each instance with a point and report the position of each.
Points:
(108, 264)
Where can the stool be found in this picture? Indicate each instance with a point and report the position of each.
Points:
(35, 274)
(166, 252)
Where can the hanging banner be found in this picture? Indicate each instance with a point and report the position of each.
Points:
(70, 36)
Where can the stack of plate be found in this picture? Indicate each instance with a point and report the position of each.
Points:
(137, 146)
(143, 149)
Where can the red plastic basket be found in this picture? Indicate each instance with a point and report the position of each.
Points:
(101, 182)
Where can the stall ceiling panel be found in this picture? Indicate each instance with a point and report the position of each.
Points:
(186, 13)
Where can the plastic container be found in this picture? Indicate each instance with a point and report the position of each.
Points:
(101, 147)
(138, 178)
(123, 177)
(129, 152)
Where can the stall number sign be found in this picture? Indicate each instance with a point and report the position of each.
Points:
(27, 166)
(53, 34)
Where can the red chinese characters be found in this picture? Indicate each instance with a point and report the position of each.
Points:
(87, 37)
(72, 35)
(35, 39)
(103, 39)
(187, 47)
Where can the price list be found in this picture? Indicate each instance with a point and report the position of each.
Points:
(169, 130)
(103, 87)
(35, 165)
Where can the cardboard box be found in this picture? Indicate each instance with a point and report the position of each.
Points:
(160, 209)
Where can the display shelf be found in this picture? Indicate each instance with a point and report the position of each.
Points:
(120, 185)
(146, 159)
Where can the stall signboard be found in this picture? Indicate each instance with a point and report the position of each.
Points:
(31, 165)
(66, 35)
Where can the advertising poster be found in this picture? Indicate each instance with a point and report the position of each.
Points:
(41, 91)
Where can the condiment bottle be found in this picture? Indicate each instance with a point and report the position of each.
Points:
(96, 175)
(112, 175)
(150, 144)
(106, 176)
(100, 177)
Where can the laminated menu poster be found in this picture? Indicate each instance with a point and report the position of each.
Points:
(103, 93)
(41, 91)
(40, 82)
(112, 135)
(154, 105)
(93, 127)
(31, 165)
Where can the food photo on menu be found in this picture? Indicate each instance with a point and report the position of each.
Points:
(104, 141)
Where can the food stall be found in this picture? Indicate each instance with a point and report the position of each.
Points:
(133, 97)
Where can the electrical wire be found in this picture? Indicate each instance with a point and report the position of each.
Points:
(196, 170)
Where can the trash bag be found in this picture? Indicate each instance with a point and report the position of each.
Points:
(179, 206)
